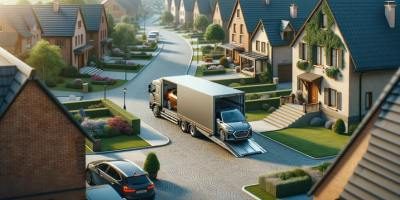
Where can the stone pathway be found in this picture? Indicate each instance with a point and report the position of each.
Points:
(262, 126)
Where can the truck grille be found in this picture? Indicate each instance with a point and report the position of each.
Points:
(241, 134)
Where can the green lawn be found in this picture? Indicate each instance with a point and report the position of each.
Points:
(122, 142)
(255, 115)
(314, 141)
(95, 88)
(258, 192)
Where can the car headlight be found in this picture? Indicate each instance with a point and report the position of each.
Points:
(229, 130)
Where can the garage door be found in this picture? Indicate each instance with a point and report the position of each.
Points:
(285, 73)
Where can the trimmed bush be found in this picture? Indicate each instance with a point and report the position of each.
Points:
(257, 88)
(258, 104)
(122, 67)
(116, 110)
(339, 127)
(94, 112)
(75, 84)
(152, 165)
(81, 104)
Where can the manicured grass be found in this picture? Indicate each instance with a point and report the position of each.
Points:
(256, 115)
(122, 142)
(314, 141)
(95, 88)
(257, 191)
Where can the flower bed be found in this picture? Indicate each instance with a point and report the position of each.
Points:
(100, 80)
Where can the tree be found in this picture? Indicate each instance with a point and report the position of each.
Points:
(167, 18)
(201, 23)
(79, 2)
(152, 165)
(23, 2)
(214, 34)
(128, 19)
(46, 59)
(123, 35)
(111, 24)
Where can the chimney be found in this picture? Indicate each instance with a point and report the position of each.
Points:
(390, 13)
(293, 10)
(267, 2)
(56, 5)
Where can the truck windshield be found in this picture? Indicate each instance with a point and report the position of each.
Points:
(232, 116)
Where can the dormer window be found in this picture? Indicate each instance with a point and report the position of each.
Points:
(238, 13)
(286, 30)
(323, 22)
(287, 35)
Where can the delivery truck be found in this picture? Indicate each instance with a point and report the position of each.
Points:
(200, 106)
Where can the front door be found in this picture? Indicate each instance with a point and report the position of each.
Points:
(313, 93)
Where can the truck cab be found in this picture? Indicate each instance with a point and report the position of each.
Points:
(232, 125)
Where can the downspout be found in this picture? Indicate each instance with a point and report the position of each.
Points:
(360, 96)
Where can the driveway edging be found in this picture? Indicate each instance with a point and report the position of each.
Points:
(293, 149)
(249, 193)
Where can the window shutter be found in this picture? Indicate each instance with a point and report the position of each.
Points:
(340, 58)
(326, 96)
(339, 101)
(301, 46)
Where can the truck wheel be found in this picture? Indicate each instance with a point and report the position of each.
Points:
(156, 111)
(193, 131)
(222, 135)
(184, 127)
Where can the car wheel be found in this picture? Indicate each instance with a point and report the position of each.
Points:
(184, 126)
(156, 111)
(193, 131)
(222, 135)
(89, 178)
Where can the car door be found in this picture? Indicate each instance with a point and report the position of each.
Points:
(113, 178)
(101, 177)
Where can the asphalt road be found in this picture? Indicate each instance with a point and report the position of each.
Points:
(193, 168)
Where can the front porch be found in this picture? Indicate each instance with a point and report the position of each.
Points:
(81, 55)
(232, 52)
(252, 63)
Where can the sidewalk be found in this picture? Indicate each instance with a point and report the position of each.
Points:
(152, 136)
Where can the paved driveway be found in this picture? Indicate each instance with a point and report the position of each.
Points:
(194, 168)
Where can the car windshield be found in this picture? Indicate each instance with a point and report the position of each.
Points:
(138, 180)
(152, 36)
(232, 116)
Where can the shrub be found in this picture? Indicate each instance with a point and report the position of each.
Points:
(152, 165)
(339, 127)
(97, 105)
(110, 131)
(292, 174)
(302, 65)
(120, 124)
(75, 84)
(332, 72)
(50, 83)
(99, 80)
(77, 117)
(94, 127)
(253, 96)
(224, 61)
(70, 72)
(234, 85)
(118, 111)
(80, 104)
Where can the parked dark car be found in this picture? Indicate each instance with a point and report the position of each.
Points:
(102, 192)
(128, 179)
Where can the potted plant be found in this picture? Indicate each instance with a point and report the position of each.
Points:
(152, 165)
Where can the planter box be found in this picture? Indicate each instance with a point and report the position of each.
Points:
(284, 188)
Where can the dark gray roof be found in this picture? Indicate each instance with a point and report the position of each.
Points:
(61, 24)
(372, 43)
(188, 5)
(377, 174)
(205, 6)
(92, 14)
(19, 17)
(226, 8)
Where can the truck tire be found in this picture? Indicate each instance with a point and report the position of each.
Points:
(184, 127)
(156, 111)
(193, 131)
(222, 135)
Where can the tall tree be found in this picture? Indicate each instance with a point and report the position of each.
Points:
(111, 24)
(214, 33)
(201, 23)
(123, 35)
(46, 59)
(167, 18)
(23, 2)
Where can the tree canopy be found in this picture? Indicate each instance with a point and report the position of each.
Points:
(201, 23)
(124, 34)
(167, 18)
(214, 33)
(46, 59)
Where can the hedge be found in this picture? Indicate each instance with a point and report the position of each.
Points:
(256, 88)
(116, 110)
(95, 112)
(276, 93)
(258, 104)
(141, 56)
(103, 82)
(80, 104)
(284, 188)
(236, 80)
(121, 66)
(213, 72)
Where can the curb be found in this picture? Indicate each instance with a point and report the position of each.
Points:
(249, 193)
(191, 48)
(293, 149)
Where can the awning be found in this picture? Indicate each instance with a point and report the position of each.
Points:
(106, 41)
(253, 56)
(232, 47)
(83, 49)
(310, 77)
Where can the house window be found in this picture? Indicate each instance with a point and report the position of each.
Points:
(82, 39)
(323, 22)
(287, 35)
(76, 41)
(336, 58)
(368, 100)
(234, 28)
(263, 47)
(303, 51)
(233, 37)
(241, 28)
(79, 24)
(238, 13)
(333, 98)
(257, 45)
(240, 39)
(319, 55)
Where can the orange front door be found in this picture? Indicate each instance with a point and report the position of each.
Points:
(313, 93)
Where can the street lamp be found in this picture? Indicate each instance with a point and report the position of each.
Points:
(124, 90)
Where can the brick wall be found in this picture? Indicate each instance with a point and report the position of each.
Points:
(40, 149)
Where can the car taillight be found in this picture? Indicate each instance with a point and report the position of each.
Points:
(127, 189)
(150, 187)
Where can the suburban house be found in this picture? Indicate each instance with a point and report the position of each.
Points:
(95, 19)
(43, 147)
(119, 8)
(271, 38)
(203, 7)
(167, 5)
(175, 4)
(64, 26)
(222, 12)
(19, 29)
(186, 13)
(368, 167)
(340, 63)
